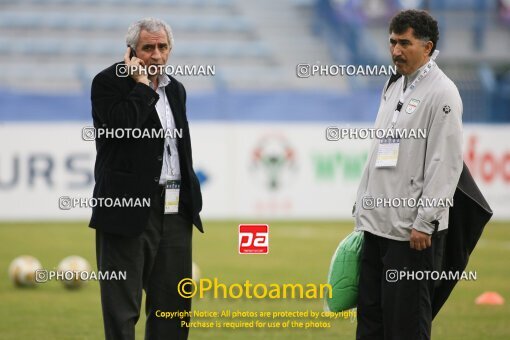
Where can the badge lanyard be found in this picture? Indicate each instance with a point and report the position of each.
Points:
(167, 148)
(387, 153)
(172, 186)
(405, 94)
(168, 160)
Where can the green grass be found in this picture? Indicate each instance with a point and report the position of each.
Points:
(299, 253)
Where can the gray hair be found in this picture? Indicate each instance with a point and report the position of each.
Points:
(150, 25)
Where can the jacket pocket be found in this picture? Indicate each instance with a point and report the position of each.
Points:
(414, 194)
(405, 211)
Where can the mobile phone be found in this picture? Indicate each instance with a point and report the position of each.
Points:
(132, 53)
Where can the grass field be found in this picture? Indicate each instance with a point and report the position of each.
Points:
(299, 253)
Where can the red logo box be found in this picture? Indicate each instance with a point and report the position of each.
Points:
(253, 239)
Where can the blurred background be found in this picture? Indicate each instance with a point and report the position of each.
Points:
(51, 50)
(258, 136)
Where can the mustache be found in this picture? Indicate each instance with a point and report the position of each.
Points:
(398, 59)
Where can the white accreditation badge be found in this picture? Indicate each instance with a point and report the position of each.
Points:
(172, 196)
(387, 153)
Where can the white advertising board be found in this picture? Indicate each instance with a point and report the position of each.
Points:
(248, 170)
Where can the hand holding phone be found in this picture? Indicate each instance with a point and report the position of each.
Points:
(135, 66)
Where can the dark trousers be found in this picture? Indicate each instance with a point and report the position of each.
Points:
(155, 261)
(401, 309)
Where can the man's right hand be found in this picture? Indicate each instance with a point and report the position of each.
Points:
(420, 240)
(136, 64)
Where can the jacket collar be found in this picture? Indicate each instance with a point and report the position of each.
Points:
(175, 102)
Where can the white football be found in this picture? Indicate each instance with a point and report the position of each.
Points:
(74, 269)
(22, 270)
(195, 272)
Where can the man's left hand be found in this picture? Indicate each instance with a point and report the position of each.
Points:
(419, 240)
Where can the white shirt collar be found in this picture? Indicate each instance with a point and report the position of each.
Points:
(163, 80)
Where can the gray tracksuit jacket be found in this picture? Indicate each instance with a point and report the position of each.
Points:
(427, 170)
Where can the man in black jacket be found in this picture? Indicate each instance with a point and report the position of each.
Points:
(151, 242)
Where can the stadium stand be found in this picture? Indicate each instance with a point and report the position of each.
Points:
(474, 44)
(53, 48)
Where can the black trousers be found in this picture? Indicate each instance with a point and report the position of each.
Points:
(155, 261)
(391, 307)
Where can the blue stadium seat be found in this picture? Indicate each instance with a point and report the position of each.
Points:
(91, 21)
(461, 4)
(195, 3)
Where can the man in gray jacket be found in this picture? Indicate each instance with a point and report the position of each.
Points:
(408, 185)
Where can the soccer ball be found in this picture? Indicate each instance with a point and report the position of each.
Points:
(22, 270)
(195, 272)
(74, 270)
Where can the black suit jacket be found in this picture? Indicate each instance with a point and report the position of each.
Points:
(128, 167)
